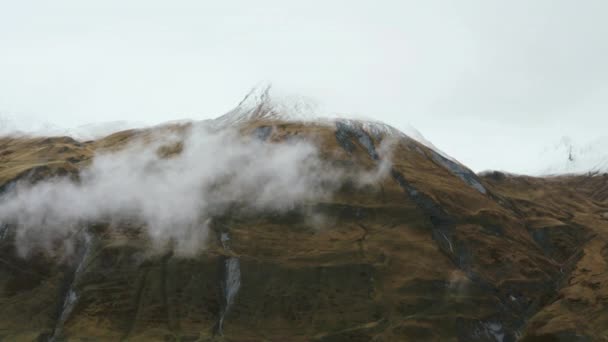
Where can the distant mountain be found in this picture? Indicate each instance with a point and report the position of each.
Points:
(569, 156)
(12, 125)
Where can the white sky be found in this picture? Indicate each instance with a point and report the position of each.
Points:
(492, 83)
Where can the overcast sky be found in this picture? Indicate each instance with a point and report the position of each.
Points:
(492, 83)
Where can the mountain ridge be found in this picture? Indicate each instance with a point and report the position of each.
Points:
(406, 246)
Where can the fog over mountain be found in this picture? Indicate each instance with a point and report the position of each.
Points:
(492, 84)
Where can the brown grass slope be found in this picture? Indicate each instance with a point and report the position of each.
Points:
(420, 255)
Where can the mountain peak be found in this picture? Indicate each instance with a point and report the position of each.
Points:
(264, 103)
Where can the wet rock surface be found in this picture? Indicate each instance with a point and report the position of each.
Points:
(231, 281)
(424, 253)
(460, 171)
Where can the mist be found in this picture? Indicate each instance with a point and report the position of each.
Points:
(174, 185)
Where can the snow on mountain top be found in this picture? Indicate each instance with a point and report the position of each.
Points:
(23, 125)
(261, 104)
(568, 156)
(264, 103)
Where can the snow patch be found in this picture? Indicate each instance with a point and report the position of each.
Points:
(570, 156)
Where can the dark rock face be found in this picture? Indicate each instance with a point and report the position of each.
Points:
(345, 132)
(428, 252)
(262, 132)
(460, 171)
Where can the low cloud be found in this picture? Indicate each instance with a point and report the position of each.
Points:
(175, 197)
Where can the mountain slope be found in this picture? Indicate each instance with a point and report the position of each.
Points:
(420, 248)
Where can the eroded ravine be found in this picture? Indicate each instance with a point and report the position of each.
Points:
(4, 231)
(230, 281)
(72, 296)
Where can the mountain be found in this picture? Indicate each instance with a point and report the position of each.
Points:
(568, 156)
(261, 227)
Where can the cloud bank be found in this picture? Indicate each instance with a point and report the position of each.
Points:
(174, 197)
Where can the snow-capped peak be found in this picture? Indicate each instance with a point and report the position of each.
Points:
(263, 103)
(569, 156)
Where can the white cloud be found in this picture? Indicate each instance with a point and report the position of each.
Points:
(217, 172)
